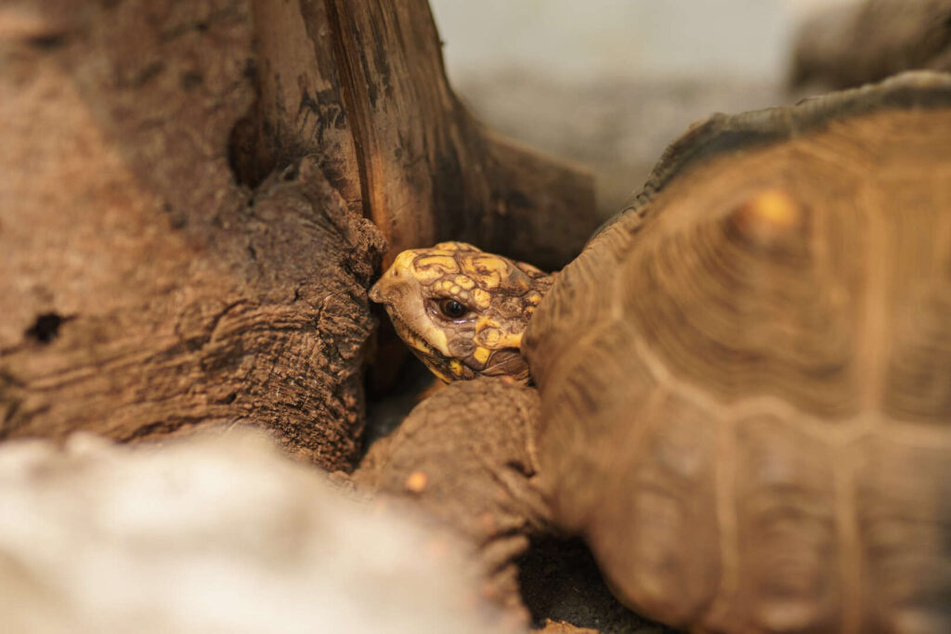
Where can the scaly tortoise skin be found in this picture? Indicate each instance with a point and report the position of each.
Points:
(423, 285)
(746, 376)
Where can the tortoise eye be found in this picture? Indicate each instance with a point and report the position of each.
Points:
(452, 309)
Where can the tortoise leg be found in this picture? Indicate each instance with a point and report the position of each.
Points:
(466, 456)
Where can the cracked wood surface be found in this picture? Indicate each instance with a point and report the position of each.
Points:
(143, 292)
(363, 84)
(146, 290)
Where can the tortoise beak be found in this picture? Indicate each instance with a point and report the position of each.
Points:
(389, 289)
(375, 294)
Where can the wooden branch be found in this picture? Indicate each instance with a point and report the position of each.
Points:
(363, 85)
(143, 293)
(146, 291)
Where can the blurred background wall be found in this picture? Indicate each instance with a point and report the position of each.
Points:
(610, 83)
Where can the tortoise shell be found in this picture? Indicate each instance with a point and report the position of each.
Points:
(746, 376)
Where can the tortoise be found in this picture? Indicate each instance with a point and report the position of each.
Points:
(745, 376)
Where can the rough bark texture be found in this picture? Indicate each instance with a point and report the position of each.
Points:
(144, 292)
(363, 84)
(846, 46)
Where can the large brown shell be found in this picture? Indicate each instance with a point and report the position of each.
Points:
(746, 377)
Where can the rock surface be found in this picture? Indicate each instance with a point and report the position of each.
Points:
(214, 534)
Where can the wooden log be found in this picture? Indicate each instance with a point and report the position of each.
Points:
(363, 85)
(143, 293)
(146, 290)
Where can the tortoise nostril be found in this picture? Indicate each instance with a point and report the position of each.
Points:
(374, 293)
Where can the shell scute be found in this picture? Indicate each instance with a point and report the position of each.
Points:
(656, 536)
(903, 502)
(747, 405)
(788, 569)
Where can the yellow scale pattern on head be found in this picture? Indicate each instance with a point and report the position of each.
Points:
(481, 354)
(465, 282)
(500, 292)
(481, 298)
(489, 337)
(489, 269)
(430, 268)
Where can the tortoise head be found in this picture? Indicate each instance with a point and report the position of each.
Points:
(461, 310)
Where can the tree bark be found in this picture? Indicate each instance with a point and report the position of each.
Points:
(363, 85)
(147, 290)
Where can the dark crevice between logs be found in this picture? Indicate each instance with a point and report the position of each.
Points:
(241, 151)
(392, 393)
(559, 580)
(241, 154)
(348, 97)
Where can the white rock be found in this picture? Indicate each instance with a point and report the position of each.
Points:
(213, 534)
